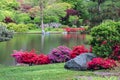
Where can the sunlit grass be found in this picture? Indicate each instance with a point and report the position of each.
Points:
(41, 72)
(48, 72)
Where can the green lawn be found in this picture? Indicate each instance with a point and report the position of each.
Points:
(41, 72)
(52, 30)
(44, 72)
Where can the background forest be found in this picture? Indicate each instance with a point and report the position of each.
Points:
(26, 14)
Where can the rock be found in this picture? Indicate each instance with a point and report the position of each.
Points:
(79, 62)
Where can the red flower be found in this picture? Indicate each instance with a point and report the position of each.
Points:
(104, 42)
(74, 29)
(116, 52)
(29, 57)
(42, 59)
(77, 50)
(100, 63)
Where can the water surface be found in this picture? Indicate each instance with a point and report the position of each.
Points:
(41, 43)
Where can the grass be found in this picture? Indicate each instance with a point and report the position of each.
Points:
(35, 31)
(51, 30)
(41, 72)
(46, 72)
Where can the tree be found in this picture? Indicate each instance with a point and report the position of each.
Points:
(42, 6)
(99, 2)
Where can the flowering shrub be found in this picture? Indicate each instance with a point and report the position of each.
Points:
(104, 37)
(71, 12)
(74, 29)
(29, 57)
(42, 59)
(77, 50)
(101, 63)
(17, 55)
(59, 54)
(8, 20)
(116, 53)
(25, 56)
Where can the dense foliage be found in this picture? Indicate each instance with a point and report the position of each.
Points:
(74, 13)
(5, 34)
(105, 38)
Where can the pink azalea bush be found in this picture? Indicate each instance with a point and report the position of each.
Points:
(17, 55)
(59, 54)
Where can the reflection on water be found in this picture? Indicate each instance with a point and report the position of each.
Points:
(41, 43)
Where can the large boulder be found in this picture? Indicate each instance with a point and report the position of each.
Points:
(79, 62)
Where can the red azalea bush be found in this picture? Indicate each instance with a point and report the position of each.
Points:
(74, 29)
(42, 59)
(77, 50)
(59, 54)
(29, 57)
(101, 63)
(116, 53)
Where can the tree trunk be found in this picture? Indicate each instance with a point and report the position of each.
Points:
(41, 15)
(99, 8)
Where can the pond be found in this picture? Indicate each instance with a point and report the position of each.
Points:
(41, 43)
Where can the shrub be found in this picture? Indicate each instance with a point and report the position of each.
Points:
(18, 27)
(8, 20)
(5, 34)
(23, 18)
(22, 28)
(59, 54)
(42, 59)
(101, 63)
(105, 37)
(3, 24)
(74, 29)
(116, 53)
(17, 55)
(6, 13)
(25, 56)
(30, 57)
(9, 5)
(77, 50)
(1, 16)
(37, 20)
(31, 26)
(11, 26)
